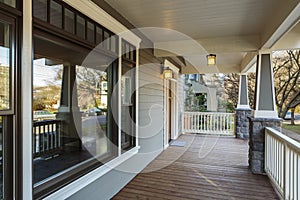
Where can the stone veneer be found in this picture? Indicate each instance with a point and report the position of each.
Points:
(242, 123)
(257, 142)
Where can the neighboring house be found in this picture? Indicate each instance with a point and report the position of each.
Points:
(201, 86)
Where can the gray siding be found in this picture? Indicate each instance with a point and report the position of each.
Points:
(150, 109)
(150, 105)
(180, 101)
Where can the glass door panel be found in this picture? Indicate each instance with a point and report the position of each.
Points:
(7, 36)
(5, 67)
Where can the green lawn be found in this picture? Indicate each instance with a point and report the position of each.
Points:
(294, 128)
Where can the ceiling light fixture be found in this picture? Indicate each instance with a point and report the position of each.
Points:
(211, 59)
(168, 74)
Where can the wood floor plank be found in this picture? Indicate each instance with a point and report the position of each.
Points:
(208, 167)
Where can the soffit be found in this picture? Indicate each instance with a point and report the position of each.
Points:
(231, 29)
(198, 18)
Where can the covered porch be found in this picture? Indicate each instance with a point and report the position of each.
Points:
(206, 167)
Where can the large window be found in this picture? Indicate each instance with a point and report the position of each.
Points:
(77, 102)
(72, 119)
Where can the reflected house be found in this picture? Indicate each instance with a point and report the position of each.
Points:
(101, 55)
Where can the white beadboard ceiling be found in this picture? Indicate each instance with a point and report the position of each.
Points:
(230, 28)
(198, 18)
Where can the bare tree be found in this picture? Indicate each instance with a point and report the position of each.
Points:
(231, 84)
(287, 80)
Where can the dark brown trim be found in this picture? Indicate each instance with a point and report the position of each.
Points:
(115, 14)
(8, 156)
(59, 31)
(18, 118)
(10, 10)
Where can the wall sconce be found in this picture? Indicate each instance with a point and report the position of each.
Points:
(211, 59)
(167, 73)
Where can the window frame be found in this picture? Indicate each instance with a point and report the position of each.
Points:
(49, 30)
(129, 60)
(46, 25)
(45, 188)
(11, 119)
(12, 63)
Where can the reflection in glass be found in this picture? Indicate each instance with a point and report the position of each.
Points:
(90, 32)
(128, 107)
(80, 30)
(99, 35)
(1, 158)
(70, 117)
(4, 67)
(55, 14)
(106, 40)
(11, 3)
(69, 21)
(92, 101)
(40, 9)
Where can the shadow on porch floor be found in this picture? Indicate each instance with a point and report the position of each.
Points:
(208, 167)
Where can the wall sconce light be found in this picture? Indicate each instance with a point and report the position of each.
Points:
(211, 59)
(167, 73)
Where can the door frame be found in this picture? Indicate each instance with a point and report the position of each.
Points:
(173, 83)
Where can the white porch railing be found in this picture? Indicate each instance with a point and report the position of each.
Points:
(282, 163)
(208, 122)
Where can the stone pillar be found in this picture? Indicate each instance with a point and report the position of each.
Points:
(242, 123)
(243, 110)
(264, 115)
(257, 142)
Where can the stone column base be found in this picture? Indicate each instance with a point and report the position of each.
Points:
(257, 142)
(242, 123)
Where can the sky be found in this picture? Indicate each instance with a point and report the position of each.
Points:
(43, 74)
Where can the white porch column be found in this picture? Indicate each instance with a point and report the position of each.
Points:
(265, 106)
(243, 102)
(264, 115)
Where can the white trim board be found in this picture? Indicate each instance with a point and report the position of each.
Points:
(87, 179)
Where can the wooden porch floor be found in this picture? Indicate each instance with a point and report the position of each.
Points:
(206, 168)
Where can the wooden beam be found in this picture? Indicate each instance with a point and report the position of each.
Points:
(204, 46)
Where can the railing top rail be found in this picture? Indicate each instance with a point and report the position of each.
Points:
(210, 113)
(283, 138)
(44, 122)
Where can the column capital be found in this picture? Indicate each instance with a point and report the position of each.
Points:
(264, 51)
(243, 102)
(265, 106)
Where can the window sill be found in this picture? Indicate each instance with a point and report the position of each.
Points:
(87, 179)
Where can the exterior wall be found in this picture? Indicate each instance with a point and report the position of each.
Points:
(151, 96)
(151, 129)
